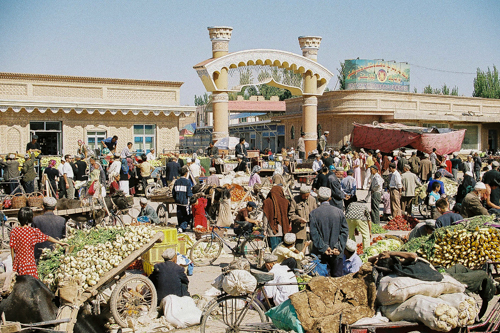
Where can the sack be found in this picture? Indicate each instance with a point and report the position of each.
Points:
(466, 306)
(180, 311)
(432, 312)
(91, 190)
(285, 318)
(394, 290)
(239, 282)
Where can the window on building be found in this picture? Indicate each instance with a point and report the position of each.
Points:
(49, 136)
(471, 139)
(144, 138)
(94, 139)
(436, 125)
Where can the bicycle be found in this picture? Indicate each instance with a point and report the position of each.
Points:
(208, 249)
(17, 189)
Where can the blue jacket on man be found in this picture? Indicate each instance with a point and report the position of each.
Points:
(172, 170)
(328, 228)
(182, 191)
(337, 199)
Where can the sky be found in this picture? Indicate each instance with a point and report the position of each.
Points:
(444, 41)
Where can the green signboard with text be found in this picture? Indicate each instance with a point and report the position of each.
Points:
(362, 74)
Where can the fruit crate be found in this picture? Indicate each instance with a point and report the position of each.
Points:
(170, 236)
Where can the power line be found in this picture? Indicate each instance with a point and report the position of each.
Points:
(442, 70)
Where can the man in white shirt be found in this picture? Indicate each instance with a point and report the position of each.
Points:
(283, 274)
(317, 164)
(126, 151)
(68, 178)
(395, 188)
(115, 166)
(151, 155)
(195, 169)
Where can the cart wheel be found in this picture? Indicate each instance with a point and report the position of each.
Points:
(205, 251)
(162, 212)
(133, 296)
(150, 188)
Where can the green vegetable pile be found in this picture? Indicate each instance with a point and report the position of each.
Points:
(379, 247)
(377, 229)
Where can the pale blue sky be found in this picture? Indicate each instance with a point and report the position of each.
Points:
(162, 40)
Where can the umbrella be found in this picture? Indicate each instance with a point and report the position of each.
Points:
(229, 142)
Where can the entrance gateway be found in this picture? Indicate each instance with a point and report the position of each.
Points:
(229, 72)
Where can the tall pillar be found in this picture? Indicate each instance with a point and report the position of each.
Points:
(220, 37)
(310, 46)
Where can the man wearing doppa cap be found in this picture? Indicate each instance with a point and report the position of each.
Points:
(328, 232)
(300, 207)
(50, 224)
(287, 249)
(352, 262)
(148, 211)
(471, 206)
(168, 277)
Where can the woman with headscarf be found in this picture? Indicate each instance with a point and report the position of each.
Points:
(275, 221)
(124, 183)
(255, 177)
(356, 166)
(50, 173)
(132, 179)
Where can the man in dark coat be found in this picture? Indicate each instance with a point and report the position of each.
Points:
(81, 168)
(477, 166)
(50, 224)
(169, 278)
(337, 197)
(240, 149)
(172, 170)
(329, 232)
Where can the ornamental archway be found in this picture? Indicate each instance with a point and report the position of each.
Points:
(229, 72)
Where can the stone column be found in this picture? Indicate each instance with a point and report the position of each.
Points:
(220, 37)
(310, 46)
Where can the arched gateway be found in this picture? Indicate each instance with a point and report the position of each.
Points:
(229, 72)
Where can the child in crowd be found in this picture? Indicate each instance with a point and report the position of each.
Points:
(433, 197)
(198, 205)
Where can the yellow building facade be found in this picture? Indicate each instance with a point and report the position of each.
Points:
(61, 110)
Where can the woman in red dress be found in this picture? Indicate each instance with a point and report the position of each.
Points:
(199, 212)
(22, 244)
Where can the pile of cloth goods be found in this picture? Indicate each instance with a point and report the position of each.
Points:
(91, 254)
(471, 243)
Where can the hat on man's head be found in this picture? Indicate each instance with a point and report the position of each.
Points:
(480, 186)
(495, 164)
(318, 155)
(144, 201)
(252, 204)
(189, 160)
(443, 165)
(455, 154)
(332, 167)
(351, 245)
(169, 254)
(324, 193)
(269, 258)
(117, 155)
(26, 156)
(377, 151)
(49, 202)
(289, 238)
(350, 172)
(304, 189)
(12, 156)
(212, 169)
(239, 156)
(374, 167)
(326, 132)
(392, 165)
(426, 155)
(35, 137)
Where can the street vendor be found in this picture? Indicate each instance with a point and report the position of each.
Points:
(10, 171)
(29, 173)
(148, 212)
(168, 277)
(22, 244)
(50, 224)
(33, 146)
(284, 282)
(300, 207)
(242, 165)
(287, 249)
(243, 222)
(240, 149)
(352, 262)
(423, 229)
(212, 150)
(471, 205)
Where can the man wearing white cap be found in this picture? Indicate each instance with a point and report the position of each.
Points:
(212, 179)
(471, 206)
(50, 224)
(148, 212)
(29, 173)
(352, 262)
(287, 249)
(168, 277)
(317, 164)
(300, 207)
(284, 282)
(329, 232)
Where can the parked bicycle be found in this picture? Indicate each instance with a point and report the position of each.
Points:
(249, 245)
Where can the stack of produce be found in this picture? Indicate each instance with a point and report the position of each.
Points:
(304, 170)
(466, 306)
(91, 254)
(470, 243)
(379, 247)
(450, 187)
(377, 229)
(402, 223)
(156, 163)
(237, 194)
(44, 161)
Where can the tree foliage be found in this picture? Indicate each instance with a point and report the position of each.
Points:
(444, 90)
(202, 100)
(487, 84)
(341, 76)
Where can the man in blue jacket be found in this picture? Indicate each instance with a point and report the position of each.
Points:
(181, 193)
(329, 232)
(337, 196)
(172, 170)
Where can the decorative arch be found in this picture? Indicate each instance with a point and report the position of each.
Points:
(264, 59)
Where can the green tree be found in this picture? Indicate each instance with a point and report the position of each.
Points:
(415, 90)
(487, 84)
(445, 90)
(202, 100)
(341, 76)
(428, 90)
(454, 91)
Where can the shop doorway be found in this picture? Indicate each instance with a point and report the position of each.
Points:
(49, 136)
(492, 140)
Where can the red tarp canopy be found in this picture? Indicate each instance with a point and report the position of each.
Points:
(390, 136)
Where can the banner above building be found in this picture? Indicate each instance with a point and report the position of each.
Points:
(362, 74)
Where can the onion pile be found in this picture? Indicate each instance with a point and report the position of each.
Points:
(91, 254)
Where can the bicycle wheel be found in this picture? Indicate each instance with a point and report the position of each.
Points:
(232, 314)
(162, 213)
(5, 230)
(253, 249)
(205, 251)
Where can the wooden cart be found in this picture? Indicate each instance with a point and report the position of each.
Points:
(166, 209)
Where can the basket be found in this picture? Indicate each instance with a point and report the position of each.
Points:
(199, 234)
(18, 201)
(35, 200)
